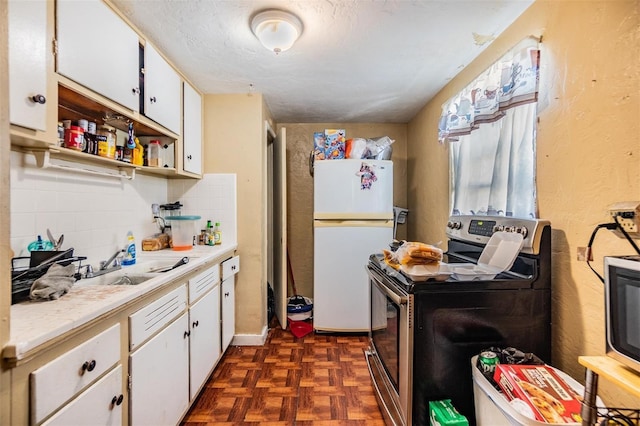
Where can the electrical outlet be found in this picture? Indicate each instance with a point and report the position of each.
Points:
(584, 254)
(628, 216)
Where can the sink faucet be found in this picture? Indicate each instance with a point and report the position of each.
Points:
(104, 265)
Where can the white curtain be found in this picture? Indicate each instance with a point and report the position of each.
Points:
(490, 128)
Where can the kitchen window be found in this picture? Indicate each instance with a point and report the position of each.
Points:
(491, 127)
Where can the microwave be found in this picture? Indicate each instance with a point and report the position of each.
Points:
(622, 295)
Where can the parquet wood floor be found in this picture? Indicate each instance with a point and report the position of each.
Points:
(315, 380)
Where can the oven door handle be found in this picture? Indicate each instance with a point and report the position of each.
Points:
(397, 298)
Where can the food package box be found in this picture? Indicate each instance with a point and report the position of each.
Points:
(335, 140)
(551, 400)
(442, 413)
(497, 256)
(319, 145)
(436, 271)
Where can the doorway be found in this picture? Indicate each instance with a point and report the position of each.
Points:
(277, 220)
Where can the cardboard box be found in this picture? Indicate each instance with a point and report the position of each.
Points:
(335, 143)
(319, 145)
(442, 413)
(549, 397)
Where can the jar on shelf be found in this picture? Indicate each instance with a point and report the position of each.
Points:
(107, 147)
(74, 138)
(153, 154)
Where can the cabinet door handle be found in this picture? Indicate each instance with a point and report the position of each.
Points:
(226, 294)
(135, 91)
(152, 99)
(39, 99)
(195, 324)
(233, 268)
(88, 365)
(189, 157)
(117, 400)
(186, 334)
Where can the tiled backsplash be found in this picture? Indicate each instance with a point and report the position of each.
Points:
(212, 198)
(95, 212)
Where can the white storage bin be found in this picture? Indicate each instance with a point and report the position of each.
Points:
(493, 409)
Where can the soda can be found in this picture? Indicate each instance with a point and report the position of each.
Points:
(487, 361)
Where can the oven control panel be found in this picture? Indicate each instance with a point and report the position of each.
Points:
(479, 229)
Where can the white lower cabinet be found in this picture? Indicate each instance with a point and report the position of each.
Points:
(159, 367)
(60, 380)
(101, 404)
(204, 339)
(230, 268)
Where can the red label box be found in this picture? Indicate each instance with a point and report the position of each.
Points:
(550, 398)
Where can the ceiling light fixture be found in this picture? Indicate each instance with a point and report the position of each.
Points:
(277, 30)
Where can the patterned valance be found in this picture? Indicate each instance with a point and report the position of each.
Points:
(511, 81)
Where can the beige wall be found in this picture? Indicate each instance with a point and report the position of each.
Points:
(300, 187)
(234, 142)
(588, 155)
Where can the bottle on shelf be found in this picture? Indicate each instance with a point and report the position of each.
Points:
(153, 154)
(210, 237)
(217, 234)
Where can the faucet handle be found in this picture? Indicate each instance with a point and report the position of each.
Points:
(88, 271)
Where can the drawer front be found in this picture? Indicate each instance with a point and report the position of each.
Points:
(153, 317)
(230, 267)
(101, 404)
(202, 282)
(58, 381)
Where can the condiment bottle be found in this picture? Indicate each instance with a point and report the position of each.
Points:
(153, 155)
(107, 148)
(217, 234)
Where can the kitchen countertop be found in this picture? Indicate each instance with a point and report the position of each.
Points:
(34, 323)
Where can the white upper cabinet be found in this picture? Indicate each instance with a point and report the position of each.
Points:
(192, 132)
(97, 49)
(161, 90)
(28, 63)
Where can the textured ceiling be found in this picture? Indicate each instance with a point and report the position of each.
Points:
(356, 61)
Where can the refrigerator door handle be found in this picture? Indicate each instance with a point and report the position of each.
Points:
(311, 160)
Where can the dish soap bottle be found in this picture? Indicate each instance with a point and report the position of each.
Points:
(130, 250)
(217, 234)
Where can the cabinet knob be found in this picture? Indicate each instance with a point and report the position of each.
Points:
(189, 157)
(135, 91)
(89, 365)
(195, 324)
(186, 334)
(233, 268)
(117, 400)
(226, 294)
(39, 99)
(152, 99)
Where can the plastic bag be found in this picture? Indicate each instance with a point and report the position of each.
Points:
(379, 148)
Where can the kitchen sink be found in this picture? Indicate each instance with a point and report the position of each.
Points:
(130, 279)
(154, 265)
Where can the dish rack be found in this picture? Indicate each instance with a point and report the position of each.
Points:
(23, 276)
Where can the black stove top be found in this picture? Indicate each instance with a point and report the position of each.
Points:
(468, 236)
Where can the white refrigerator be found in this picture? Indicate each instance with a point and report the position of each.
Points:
(352, 218)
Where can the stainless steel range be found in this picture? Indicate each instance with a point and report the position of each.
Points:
(423, 334)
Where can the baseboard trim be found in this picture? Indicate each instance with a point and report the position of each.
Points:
(251, 339)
